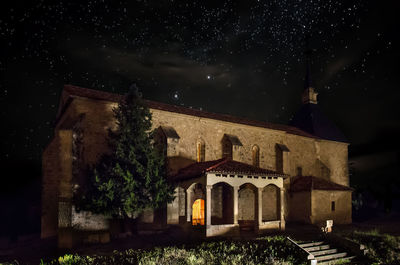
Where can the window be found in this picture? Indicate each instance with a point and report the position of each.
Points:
(332, 206)
(279, 151)
(279, 160)
(256, 156)
(229, 144)
(299, 171)
(200, 146)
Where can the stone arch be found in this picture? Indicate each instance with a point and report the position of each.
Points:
(200, 150)
(221, 204)
(271, 203)
(247, 202)
(255, 155)
(198, 191)
(194, 192)
(198, 213)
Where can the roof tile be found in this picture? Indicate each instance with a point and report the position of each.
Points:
(226, 166)
(307, 183)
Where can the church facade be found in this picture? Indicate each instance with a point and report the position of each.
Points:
(231, 174)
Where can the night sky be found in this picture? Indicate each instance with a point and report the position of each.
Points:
(244, 58)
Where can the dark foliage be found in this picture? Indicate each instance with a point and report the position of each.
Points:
(132, 177)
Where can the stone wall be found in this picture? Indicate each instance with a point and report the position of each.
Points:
(322, 206)
(304, 151)
(221, 204)
(216, 205)
(270, 203)
(87, 221)
(300, 207)
(173, 209)
(51, 167)
(247, 202)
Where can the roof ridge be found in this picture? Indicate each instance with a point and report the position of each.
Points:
(217, 164)
(109, 96)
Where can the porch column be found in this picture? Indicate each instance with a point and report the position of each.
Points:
(188, 205)
(282, 204)
(259, 212)
(235, 204)
(208, 205)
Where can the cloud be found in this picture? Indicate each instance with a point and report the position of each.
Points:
(166, 67)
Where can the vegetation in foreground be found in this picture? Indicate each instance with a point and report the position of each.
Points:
(382, 248)
(267, 250)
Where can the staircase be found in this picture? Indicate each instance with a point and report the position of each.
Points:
(325, 253)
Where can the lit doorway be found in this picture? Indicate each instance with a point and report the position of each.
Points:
(198, 212)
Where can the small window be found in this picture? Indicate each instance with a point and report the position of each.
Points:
(333, 206)
(256, 156)
(299, 171)
(200, 151)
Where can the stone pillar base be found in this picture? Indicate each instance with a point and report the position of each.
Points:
(283, 225)
(229, 230)
(66, 238)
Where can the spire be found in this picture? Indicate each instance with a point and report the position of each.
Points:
(308, 53)
(309, 95)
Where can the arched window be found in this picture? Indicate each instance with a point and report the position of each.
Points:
(201, 152)
(256, 155)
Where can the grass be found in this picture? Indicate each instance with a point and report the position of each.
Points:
(382, 248)
(266, 250)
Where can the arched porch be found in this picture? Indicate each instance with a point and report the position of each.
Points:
(227, 200)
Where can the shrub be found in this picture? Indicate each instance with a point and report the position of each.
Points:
(267, 250)
(382, 248)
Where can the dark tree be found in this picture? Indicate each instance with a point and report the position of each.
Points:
(132, 177)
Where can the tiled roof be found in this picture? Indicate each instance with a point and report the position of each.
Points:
(102, 95)
(225, 166)
(307, 183)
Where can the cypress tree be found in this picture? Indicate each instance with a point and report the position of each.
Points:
(132, 177)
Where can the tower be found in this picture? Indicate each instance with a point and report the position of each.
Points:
(310, 118)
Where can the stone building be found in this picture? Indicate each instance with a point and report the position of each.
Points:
(231, 174)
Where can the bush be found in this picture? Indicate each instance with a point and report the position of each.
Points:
(268, 250)
(382, 248)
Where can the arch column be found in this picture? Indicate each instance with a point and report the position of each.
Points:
(189, 193)
(208, 205)
(282, 206)
(259, 208)
(235, 204)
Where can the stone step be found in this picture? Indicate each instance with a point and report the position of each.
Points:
(323, 252)
(336, 261)
(315, 248)
(331, 256)
(311, 244)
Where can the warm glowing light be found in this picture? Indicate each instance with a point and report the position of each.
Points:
(198, 212)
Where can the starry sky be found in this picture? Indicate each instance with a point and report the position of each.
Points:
(243, 57)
